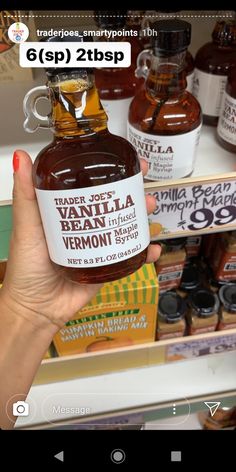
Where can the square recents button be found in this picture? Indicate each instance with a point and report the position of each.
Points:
(176, 456)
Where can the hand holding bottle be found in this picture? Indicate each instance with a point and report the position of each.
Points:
(33, 287)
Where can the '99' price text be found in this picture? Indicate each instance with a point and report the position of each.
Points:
(76, 54)
(205, 218)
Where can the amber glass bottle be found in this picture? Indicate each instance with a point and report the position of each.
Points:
(117, 86)
(226, 129)
(164, 119)
(189, 67)
(88, 184)
(212, 64)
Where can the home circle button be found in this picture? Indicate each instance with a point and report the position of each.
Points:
(117, 456)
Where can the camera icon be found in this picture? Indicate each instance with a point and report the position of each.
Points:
(20, 409)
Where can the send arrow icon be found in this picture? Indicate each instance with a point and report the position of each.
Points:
(60, 456)
(213, 406)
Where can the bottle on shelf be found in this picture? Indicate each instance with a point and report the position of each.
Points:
(203, 311)
(189, 71)
(172, 310)
(190, 280)
(227, 295)
(148, 19)
(212, 65)
(88, 183)
(223, 257)
(117, 86)
(164, 119)
(226, 129)
(170, 265)
(193, 246)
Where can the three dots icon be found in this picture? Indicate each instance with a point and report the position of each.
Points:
(174, 409)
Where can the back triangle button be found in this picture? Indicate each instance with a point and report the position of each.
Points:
(60, 456)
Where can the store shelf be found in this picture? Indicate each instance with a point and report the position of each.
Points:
(137, 356)
(210, 377)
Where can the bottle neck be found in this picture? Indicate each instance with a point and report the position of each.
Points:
(224, 33)
(167, 75)
(76, 108)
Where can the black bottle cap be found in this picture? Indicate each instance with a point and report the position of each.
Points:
(204, 302)
(227, 295)
(54, 71)
(110, 19)
(171, 307)
(174, 244)
(172, 36)
(190, 278)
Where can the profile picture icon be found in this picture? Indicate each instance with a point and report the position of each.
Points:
(18, 32)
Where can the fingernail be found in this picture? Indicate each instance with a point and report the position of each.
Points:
(15, 162)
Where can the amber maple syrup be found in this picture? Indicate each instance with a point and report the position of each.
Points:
(212, 65)
(226, 129)
(89, 187)
(164, 118)
(117, 86)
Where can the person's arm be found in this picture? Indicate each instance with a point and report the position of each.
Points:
(23, 345)
(35, 300)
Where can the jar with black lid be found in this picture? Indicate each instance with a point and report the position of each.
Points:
(174, 244)
(171, 316)
(227, 295)
(191, 280)
(203, 311)
(170, 265)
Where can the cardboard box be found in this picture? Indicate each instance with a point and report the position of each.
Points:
(50, 352)
(123, 313)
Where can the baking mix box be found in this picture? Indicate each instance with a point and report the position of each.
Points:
(124, 312)
(50, 352)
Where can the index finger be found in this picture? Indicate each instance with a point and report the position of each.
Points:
(144, 166)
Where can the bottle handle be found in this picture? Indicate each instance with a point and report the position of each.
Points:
(30, 109)
(142, 63)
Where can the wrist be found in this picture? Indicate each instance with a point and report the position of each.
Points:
(18, 313)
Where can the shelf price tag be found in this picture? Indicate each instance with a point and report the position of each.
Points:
(201, 347)
(193, 206)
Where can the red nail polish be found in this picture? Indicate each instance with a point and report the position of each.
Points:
(15, 162)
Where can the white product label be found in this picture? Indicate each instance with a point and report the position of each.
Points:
(208, 89)
(168, 157)
(230, 266)
(117, 112)
(227, 121)
(95, 226)
(169, 276)
(193, 241)
(189, 79)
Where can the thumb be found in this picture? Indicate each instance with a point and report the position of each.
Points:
(25, 209)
